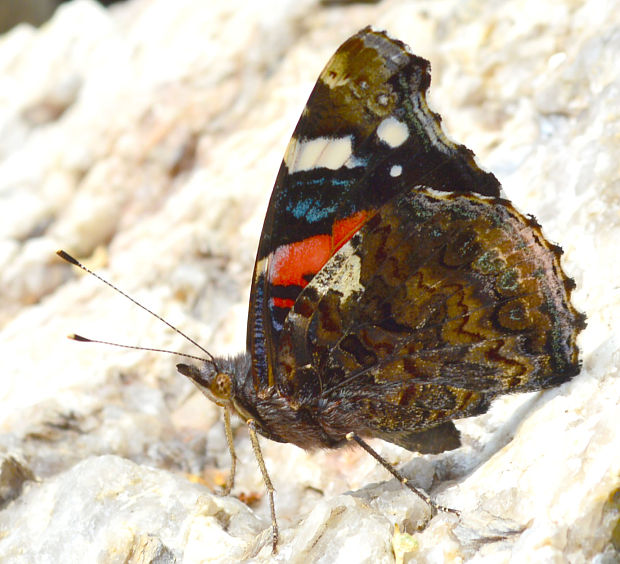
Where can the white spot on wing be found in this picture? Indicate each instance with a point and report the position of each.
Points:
(393, 132)
(321, 152)
(396, 170)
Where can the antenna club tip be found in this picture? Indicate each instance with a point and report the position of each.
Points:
(66, 256)
(75, 337)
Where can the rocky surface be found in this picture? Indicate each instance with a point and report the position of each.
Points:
(145, 139)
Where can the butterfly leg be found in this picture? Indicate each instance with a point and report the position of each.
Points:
(233, 455)
(261, 463)
(402, 479)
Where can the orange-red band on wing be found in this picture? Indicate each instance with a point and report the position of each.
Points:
(284, 303)
(292, 264)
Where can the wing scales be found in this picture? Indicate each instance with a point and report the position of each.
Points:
(448, 301)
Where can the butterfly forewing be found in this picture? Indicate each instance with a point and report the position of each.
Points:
(365, 135)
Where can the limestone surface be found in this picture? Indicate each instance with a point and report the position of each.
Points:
(145, 139)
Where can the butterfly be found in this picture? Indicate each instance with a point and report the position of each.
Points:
(395, 289)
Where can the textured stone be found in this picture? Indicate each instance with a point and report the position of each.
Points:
(145, 139)
(109, 509)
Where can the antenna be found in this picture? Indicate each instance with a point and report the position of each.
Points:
(71, 260)
(81, 339)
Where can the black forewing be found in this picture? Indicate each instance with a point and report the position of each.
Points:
(371, 82)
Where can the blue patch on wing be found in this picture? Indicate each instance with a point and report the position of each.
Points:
(311, 210)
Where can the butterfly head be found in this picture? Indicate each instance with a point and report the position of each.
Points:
(214, 383)
(217, 379)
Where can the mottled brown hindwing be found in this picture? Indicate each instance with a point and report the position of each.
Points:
(440, 303)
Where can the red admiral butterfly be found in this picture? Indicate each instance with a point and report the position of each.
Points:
(394, 290)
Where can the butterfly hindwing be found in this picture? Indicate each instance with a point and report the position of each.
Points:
(438, 304)
(365, 135)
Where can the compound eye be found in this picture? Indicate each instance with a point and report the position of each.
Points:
(221, 387)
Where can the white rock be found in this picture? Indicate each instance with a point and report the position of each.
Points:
(146, 139)
(109, 509)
